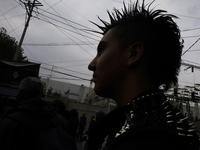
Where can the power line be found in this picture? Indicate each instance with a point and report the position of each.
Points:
(190, 29)
(191, 62)
(65, 68)
(70, 37)
(191, 36)
(9, 10)
(68, 23)
(191, 46)
(77, 65)
(83, 30)
(64, 44)
(63, 28)
(71, 61)
(12, 17)
(66, 19)
(75, 42)
(65, 78)
(74, 71)
(194, 50)
(66, 74)
(9, 23)
(188, 16)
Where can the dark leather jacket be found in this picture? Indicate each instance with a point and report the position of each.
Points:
(147, 122)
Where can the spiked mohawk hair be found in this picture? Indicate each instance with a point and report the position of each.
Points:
(132, 13)
(159, 35)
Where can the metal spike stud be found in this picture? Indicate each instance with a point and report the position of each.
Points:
(181, 134)
(170, 121)
(191, 130)
(189, 135)
(191, 124)
(169, 112)
(166, 107)
(169, 116)
(164, 102)
(183, 119)
(178, 128)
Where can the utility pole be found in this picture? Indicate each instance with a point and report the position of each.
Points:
(48, 79)
(29, 8)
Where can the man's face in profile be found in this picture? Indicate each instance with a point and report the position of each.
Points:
(108, 66)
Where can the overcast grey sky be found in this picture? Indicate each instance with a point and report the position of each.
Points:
(55, 35)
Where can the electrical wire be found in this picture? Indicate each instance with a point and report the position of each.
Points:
(62, 68)
(188, 16)
(66, 19)
(55, 44)
(191, 62)
(66, 74)
(62, 27)
(70, 37)
(74, 71)
(191, 36)
(77, 65)
(9, 10)
(9, 23)
(190, 29)
(75, 41)
(67, 25)
(68, 22)
(12, 17)
(191, 46)
(83, 30)
(71, 61)
(194, 50)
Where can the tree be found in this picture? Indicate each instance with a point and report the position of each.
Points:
(8, 47)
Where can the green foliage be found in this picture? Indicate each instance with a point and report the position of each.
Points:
(8, 47)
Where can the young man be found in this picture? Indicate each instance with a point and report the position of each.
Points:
(138, 59)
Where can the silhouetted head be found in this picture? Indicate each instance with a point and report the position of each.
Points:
(155, 31)
(30, 87)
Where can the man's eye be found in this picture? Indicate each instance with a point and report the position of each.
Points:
(100, 49)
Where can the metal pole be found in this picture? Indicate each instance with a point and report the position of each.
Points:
(24, 32)
(48, 80)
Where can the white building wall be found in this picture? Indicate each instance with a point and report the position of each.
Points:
(76, 92)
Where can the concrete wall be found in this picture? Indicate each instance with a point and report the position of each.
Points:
(76, 92)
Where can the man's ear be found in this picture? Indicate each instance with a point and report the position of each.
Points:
(136, 52)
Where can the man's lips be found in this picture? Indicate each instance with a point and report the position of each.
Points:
(93, 78)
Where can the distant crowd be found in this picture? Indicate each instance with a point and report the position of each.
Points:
(28, 121)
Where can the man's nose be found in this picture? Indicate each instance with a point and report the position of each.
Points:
(92, 65)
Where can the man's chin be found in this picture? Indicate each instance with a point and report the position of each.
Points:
(102, 93)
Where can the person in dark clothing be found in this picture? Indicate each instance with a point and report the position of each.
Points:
(73, 122)
(81, 127)
(138, 59)
(99, 115)
(23, 126)
(60, 107)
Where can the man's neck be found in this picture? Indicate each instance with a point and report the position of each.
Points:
(129, 90)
